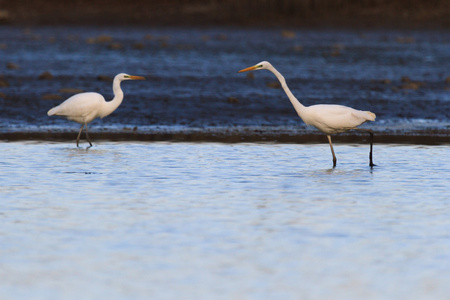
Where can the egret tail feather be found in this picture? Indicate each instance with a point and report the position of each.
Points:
(52, 111)
(372, 115)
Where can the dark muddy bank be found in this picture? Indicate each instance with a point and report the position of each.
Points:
(436, 137)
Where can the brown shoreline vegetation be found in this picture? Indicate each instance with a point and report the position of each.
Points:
(414, 14)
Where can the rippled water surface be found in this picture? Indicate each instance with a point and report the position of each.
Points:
(223, 221)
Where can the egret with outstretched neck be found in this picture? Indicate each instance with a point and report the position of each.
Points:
(328, 118)
(85, 107)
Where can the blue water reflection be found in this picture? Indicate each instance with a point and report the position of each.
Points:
(226, 221)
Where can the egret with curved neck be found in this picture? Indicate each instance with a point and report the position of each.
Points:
(85, 107)
(328, 118)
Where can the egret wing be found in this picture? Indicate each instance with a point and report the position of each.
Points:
(337, 118)
(81, 108)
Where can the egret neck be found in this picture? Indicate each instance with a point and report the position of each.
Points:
(112, 105)
(299, 108)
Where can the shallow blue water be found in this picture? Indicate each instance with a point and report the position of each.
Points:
(223, 221)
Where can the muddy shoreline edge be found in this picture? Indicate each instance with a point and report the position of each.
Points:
(435, 137)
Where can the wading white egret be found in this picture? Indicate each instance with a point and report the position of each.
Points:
(328, 118)
(85, 107)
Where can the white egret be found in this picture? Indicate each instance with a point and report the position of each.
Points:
(328, 118)
(85, 107)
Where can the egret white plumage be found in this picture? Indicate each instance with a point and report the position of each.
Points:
(328, 118)
(85, 107)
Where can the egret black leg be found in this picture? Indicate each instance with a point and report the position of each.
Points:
(87, 137)
(332, 151)
(371, 164)
(79, 134)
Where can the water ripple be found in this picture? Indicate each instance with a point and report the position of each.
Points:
(227, 221)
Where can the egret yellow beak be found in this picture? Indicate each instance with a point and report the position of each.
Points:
(248, 69)
(136, 77)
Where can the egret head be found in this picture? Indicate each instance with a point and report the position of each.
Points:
(123, 76)
(259, 66)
